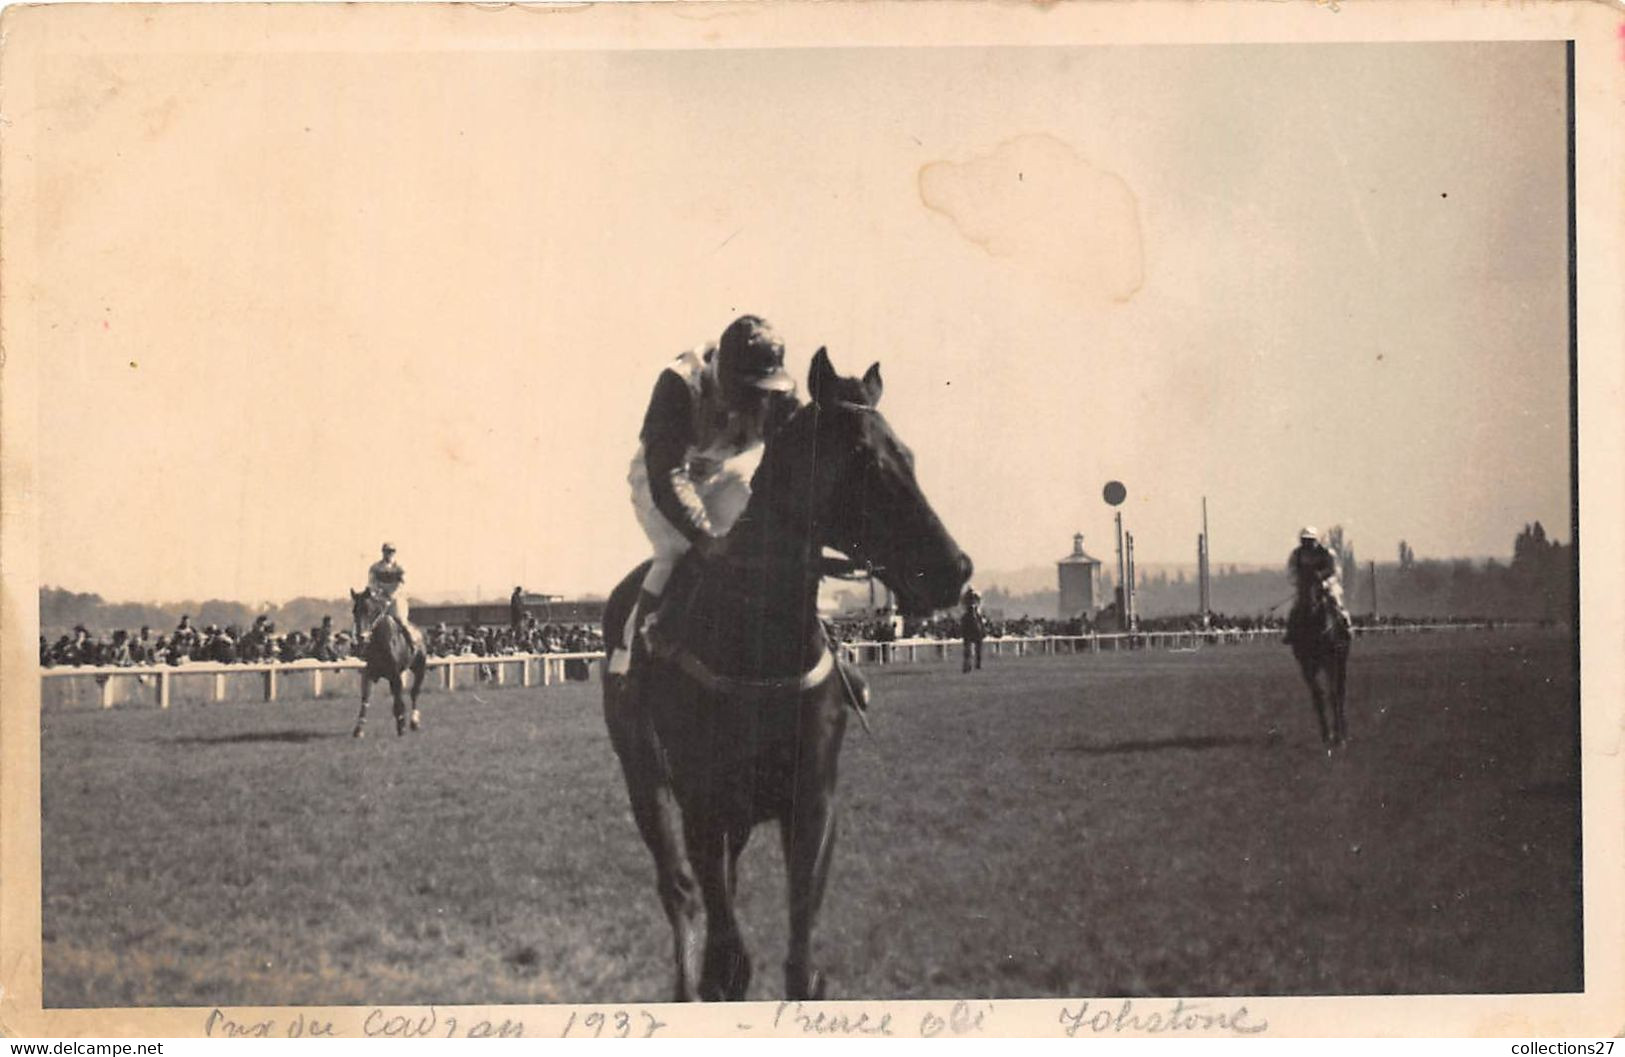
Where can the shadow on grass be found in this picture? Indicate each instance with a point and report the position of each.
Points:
(287, 737)
(1194, 744)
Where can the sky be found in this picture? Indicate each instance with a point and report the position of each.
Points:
(293, 305)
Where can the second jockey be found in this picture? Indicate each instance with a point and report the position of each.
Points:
(1312, 566)
(711, 410)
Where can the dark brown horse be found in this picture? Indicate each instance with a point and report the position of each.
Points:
(744, 724)
(390, 654)
(1320, 643)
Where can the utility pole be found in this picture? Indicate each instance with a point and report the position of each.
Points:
(1373, 567)
(1207, 550)
(1201, 576)
(1133, 617)
(1122, 583)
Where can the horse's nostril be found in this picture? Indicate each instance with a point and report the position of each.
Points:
(965, 567)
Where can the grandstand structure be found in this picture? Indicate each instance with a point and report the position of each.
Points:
(547, 609)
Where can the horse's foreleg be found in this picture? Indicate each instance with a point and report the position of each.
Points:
(361, 719)
(714, 848)
(1339, 681)
(807, 828)
(808, 834)
(655, 811)
(418, 672)
(1311, 675)
(396, 689)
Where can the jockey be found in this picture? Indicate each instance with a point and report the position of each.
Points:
(711, 410)
(384, 580)
(1311, 565)
(972, 628)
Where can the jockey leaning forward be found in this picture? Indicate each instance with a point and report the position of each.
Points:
(385, 578)
(1312, 566)
(711, 410)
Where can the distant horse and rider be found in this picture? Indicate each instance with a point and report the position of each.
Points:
(1319, 631)
(393, 646)
(734, 713)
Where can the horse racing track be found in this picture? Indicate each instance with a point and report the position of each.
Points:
(1142, 824)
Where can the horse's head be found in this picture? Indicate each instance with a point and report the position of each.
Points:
(365, 609)
(858, 480)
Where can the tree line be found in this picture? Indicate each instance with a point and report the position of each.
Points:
(1536, 583)
(61, 610)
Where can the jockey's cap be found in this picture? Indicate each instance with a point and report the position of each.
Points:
(751, 354)
(389, 548)
(1307, 533)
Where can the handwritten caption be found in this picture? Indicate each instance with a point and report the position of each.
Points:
(1158, 1019)
(377, 1024)
(822, 1020)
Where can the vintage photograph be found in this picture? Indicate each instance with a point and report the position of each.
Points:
(523, 515)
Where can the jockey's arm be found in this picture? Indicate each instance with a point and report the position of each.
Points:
(667, 429)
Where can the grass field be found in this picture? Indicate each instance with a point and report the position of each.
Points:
(1151, 824)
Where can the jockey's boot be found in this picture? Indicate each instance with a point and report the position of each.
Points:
(656, 625)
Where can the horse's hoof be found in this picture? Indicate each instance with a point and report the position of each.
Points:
(417, 722)
(725, 977)
(359, 733)
(804, 985)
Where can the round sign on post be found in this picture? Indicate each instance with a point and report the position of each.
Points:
(1115, 493)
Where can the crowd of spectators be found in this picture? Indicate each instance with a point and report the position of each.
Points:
(885, 627)
(262, 643)
(530, 636)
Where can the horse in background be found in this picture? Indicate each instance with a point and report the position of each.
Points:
(1320, 644)
(743, 724)
(391, 652)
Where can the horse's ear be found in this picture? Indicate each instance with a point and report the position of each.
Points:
(872, 385)
(354, 594)
(821, 375)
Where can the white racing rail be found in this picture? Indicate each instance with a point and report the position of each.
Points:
(910, 650)
(532, 669)
(544, 669)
